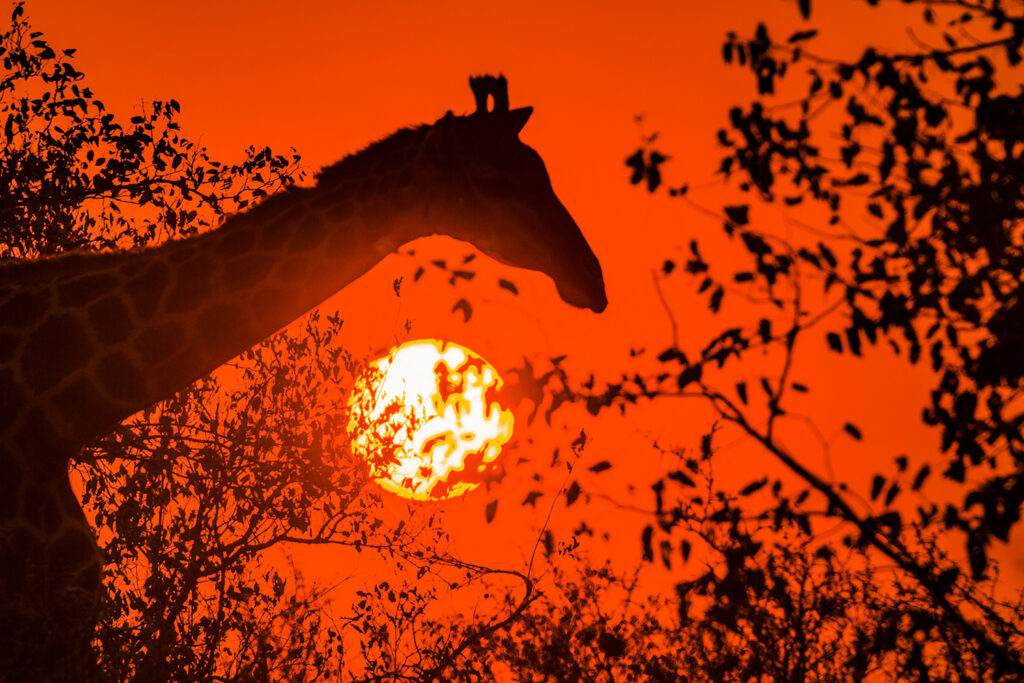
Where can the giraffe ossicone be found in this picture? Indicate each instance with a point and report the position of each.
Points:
(86, 340)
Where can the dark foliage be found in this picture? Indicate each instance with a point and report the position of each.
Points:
(911, 165)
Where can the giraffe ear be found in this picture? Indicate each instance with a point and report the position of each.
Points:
(518, 117)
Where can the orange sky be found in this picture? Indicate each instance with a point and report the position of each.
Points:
(329, 77)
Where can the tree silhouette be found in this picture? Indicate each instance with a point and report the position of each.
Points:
(907, 168)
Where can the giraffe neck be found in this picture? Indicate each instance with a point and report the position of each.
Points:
(123, 331)
(87, 340)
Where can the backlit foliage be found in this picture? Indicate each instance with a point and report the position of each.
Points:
(900, 177)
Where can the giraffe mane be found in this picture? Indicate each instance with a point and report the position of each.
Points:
(362, 162)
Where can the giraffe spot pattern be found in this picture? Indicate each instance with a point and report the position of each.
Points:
(121, 379)
(182, 252)
(221, 324)
(389, 163)
(9, 343)
(323, 200)
(402, 200)
(404, 177)
(111, 320)
(17, 542)
(235, 241)
(291, 269)
(374, 213)
(310, 232)
(147, 289)
(368, 187)
(39, 507)
(56, 349)
(341, 211)
(74, 548)
(132, 267)
(156, 343)
(276, 236)
(80, 291)
(275, 301)
(37, 434)
(246, 271)
(192, 284)
(25, 307)
(12, 478)
(12, 396)
(387, 183)
(82, 406)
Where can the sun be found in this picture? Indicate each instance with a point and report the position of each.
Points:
(434, 406)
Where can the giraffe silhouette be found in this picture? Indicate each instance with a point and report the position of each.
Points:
(88, 339)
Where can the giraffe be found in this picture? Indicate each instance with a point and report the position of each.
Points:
(88, 339)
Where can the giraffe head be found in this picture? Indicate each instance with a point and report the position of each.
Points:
(496, 194)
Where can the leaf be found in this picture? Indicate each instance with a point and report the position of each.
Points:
(716, 299)
(853, 431)
(802, 35)
(490, 510)
(853, 340)
(894, 491)
(977, 555)
(741, 391)
(834, 342)
(508, 285)
(737, 214)
(877, 484)
(611, 645)
(572, 494)
(639, 166)
(672, 354)
(681, 477)
(891, 521)
(549, 542)
(753, 486)
(463, 305)
(922, 475)
(947, 579)
(601, 466)
(653, 174)
(690, 374)
(666, 553)
(462, 274)
(579, 442)
(531, 498)
(827, 254)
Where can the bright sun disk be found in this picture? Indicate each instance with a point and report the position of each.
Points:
(435, 405)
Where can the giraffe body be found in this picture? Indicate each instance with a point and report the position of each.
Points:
(86, 340)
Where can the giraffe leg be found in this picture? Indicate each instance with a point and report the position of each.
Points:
(50, 571)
